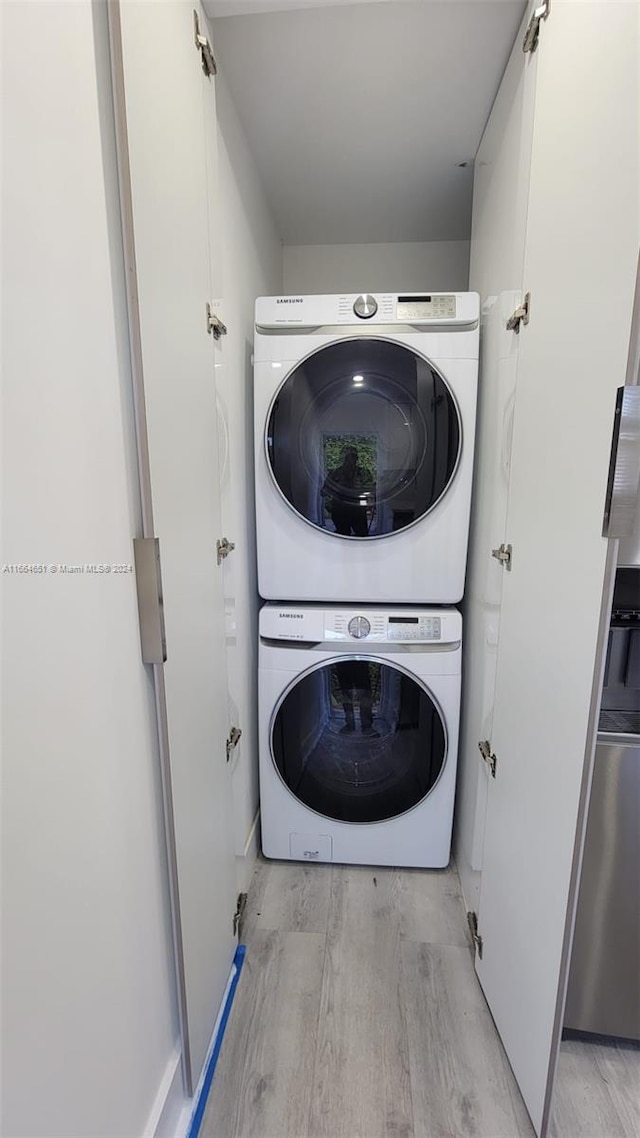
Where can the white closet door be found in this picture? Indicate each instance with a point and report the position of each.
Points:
(582, 240)
(164, 94)
(500, 199)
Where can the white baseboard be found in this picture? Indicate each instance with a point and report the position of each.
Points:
(469, 882)
(170, 1102)
(251, 844)
(246, 864)
(172, 1112)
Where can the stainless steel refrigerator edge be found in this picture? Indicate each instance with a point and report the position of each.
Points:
(603, 995)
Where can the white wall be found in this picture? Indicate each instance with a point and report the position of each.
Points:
(402, 267)
(89, 1025)
(251, 256)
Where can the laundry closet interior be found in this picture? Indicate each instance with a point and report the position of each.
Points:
(375, 264)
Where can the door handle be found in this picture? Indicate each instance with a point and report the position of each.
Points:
(146, 553)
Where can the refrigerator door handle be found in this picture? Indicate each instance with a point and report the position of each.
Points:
(623, 483)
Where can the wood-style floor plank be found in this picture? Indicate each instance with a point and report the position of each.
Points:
(264, 1079)
(361, 1078)
(460, 1078)
(597, 1090)
(358, 1015)
(294, 897)
(620, 1066)
(430, 907)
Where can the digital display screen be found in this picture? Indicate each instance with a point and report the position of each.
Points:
(440, 307)
(404, 620)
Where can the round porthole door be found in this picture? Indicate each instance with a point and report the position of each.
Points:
(358, 740)
(363, 438)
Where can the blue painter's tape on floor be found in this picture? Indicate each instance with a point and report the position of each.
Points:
(198, 1114)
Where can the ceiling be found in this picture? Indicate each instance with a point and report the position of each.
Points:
(358, 114)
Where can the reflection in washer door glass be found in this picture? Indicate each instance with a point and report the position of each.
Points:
(358, 741)
(363, 438)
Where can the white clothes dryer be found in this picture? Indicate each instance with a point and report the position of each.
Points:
(365, 411)
(358, 733)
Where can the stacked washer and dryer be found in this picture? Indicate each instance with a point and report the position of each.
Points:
(365, 412)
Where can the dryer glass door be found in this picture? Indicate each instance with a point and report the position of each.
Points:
(363, 438)
(358, 740)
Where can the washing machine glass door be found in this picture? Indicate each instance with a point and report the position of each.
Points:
(363, 438)
(358, 740)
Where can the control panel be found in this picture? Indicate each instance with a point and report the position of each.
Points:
(382, 626)
(450, 310)
(367, 624)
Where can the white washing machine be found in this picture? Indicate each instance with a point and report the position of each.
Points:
(359, 710)
(365, 411)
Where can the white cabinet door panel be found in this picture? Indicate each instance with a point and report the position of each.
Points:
(582, 240)
(500, 198)
(164, 92)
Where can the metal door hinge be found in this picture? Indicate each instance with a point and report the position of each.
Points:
(204, 47)
(214, 324)
(239, 913)
(521, 315)
(504, 554)
(233, 740)
(472, 919)
(223, 548)
(488, 756)
(532, 34)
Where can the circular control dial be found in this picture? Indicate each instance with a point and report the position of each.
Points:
(365, 306)
(359, 627)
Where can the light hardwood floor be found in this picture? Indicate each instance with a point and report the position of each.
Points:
(597, 1090)
(358, 1014)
